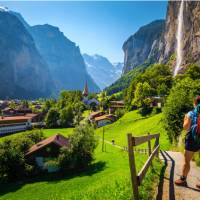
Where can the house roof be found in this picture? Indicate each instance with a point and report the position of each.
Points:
(103, 117)
(17, 119)
(57, 139)
(93, 114)
(117, 104)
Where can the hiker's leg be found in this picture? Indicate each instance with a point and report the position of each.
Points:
(188, 155)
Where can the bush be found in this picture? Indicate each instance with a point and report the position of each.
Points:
(119, 113)
(81, 150)
(66, 117)
(156, 110)
(13, 165)
(179, 102)
(52, 118)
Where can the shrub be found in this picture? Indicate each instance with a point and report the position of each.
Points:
(13, 165)
(179, 102)
(119, 113)
(52, 118)
(81, 150)
(66, 117)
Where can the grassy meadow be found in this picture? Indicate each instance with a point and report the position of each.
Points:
(133, 122)
(107, 178)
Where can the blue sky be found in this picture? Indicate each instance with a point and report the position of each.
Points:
(96, 27)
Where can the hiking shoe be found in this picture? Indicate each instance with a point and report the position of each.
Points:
(181, 182)
(198, 185)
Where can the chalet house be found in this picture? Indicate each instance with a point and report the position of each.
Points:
(9, 111)
(114, 105)
(104, 120)
(18, 111)
(13, 124)
(45, 150)
(157, 101)
(3, 104)
(93, 115)
(23, 110)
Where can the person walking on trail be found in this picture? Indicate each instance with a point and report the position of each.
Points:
(192, 140)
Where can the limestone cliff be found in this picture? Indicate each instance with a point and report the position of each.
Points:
(143, 45)
(191, 33)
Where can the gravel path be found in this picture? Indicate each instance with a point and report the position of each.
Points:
(172, 170)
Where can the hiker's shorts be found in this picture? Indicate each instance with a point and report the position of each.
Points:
(190, 144)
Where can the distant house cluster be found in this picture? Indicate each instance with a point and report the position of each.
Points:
(101, 119)
(18, 119)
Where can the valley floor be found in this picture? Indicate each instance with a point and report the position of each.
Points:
(107, 178)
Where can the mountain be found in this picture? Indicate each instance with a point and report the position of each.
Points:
(102, 70)
(23, 72)
(157, 41)
(190, 31)
(63, 57)
(143, 45)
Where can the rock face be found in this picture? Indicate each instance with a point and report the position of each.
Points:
(191, 32)
(23, 72)
(64, 59)
(157, 42)
(143, 45)
(102, 70)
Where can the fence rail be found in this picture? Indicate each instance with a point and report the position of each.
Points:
(136, 179)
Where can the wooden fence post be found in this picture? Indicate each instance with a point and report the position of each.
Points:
(156, 144)
(103, 141)
(149, 145)
(134, 179)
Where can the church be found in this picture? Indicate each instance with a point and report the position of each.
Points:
(89, 102)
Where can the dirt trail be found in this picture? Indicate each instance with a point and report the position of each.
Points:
(172, 170)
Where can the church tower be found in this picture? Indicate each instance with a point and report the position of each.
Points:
(85, 93)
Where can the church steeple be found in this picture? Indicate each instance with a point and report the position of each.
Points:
(85, 91)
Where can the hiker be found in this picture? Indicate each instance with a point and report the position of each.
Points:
(192, 141)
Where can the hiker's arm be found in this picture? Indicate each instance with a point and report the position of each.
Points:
(187, 123)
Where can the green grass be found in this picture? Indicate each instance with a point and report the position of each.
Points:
(134, 123)
(109, 176)
(47, 133)
(108, 179)
(63, 131)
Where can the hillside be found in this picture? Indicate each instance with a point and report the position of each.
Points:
(134, 123)
(124, 81)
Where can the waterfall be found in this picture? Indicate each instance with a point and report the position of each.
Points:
(179, 39)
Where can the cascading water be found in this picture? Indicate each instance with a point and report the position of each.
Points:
(179, 39)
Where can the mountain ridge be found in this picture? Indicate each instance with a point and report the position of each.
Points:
(102, 70)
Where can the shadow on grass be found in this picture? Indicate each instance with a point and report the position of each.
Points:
(52, 178)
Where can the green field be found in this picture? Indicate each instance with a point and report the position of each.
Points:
(134, 123)
(46, 132)
(108, 177)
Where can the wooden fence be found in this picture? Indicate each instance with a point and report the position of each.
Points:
(136, 179)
